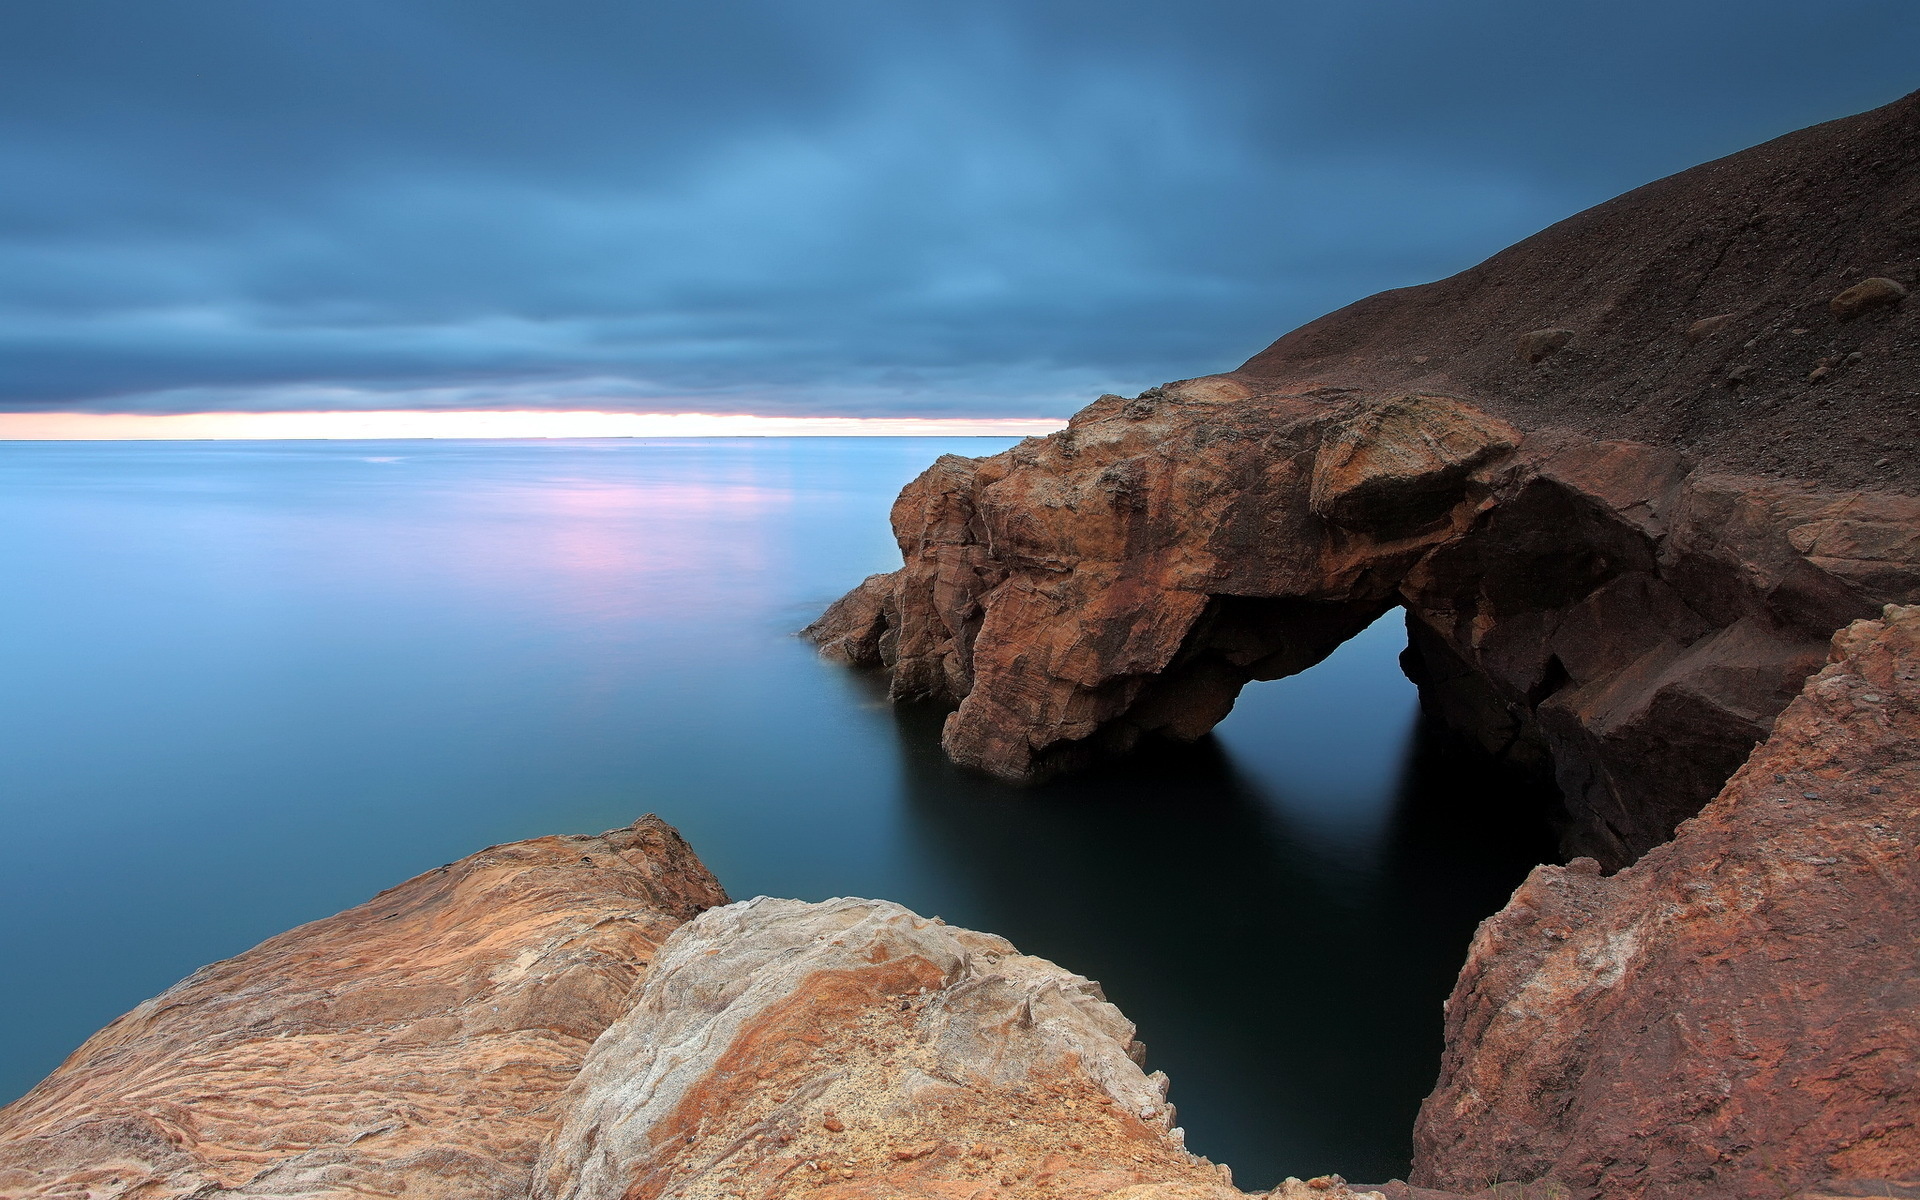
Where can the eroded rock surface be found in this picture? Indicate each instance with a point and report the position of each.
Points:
(852, 1050)
(1734, 1015)
(411, 1047)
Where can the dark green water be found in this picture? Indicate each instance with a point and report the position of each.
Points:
(244, 685)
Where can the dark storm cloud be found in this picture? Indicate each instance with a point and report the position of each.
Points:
(814, 206)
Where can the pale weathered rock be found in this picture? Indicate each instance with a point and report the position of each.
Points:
(411, 1047)
(1321, 1187)
(851, 1050)
(1865, 296)
(1734, 1014)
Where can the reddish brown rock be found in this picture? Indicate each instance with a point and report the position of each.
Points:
(1401, 464)
(1706, 327)
(851, 1050)
(1620, 555)
(1608, 608)
(413, 1046)
(1591, 587)
(1734, 1015)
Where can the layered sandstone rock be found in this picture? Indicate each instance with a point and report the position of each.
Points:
(411, 1047)
(1734, 1015)
(1589, 583)
(851, 1050)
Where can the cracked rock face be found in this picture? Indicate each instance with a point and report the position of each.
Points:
(414, 1046)
(852, 1050)
(1734, 1015)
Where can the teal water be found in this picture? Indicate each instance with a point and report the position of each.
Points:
(246, 685)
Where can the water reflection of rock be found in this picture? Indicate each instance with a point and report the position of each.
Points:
(1293, 995)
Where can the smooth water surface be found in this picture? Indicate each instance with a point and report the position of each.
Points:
(249, 684)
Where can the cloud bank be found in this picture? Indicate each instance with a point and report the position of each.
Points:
(844, 208)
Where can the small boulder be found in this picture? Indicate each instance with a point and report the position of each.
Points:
(1540, 344)
(1865, 296)
(1706, 327)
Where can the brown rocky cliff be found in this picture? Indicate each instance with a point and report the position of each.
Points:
(1738, 1014)
(1629, 610)
(1626, 479)
(412, 1046)
(1608, 607)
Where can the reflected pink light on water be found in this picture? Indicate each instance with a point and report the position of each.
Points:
(78, 426)
(612, 555)
(633, 532)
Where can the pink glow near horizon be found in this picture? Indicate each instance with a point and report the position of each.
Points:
(531, 423)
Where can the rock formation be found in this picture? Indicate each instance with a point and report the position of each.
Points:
(1734, 1015)
(559, 1000)
(1634, 618)
(1622, 540)
(413, 1046)
(852, 1050)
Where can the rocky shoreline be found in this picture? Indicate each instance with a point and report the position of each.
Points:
(1643, 486)
(589, 1018)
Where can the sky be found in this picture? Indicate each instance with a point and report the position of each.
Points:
(815, 208)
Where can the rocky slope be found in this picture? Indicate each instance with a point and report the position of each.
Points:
(414, 1046)
(1697, 313)
(1532, 458)
(1626, 480)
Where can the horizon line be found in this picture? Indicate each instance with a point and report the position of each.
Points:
(484, 424)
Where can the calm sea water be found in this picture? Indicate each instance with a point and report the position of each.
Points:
(249, 684)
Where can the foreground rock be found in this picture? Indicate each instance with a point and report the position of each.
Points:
(1735, 1014)
(555, 1018)
(414, 1046)
(852, 1050)
(1616, 564)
